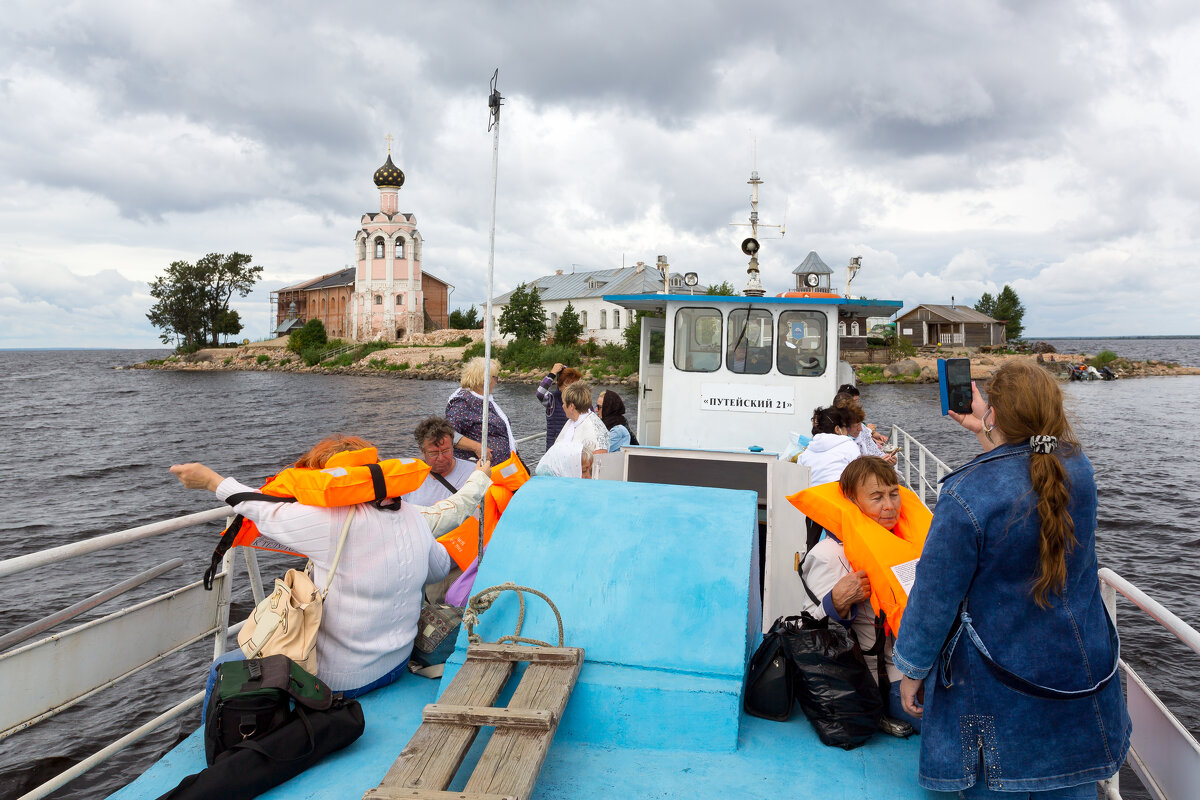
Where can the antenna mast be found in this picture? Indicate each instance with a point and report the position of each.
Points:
(494, 102)
(750, 246)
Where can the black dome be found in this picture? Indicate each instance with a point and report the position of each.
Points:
(389, 175)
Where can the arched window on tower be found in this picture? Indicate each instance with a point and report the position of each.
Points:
(379, 247)
(362, 249)
(378, 299)
(399, 247)
(400, 299)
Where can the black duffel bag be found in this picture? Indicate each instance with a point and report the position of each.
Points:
(769, 681)
(250, 768)
(832, 682)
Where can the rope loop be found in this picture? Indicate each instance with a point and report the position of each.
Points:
(483, 600)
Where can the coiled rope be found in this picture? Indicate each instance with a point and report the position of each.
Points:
(482, 601)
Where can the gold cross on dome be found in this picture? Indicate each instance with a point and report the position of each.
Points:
(389, 140)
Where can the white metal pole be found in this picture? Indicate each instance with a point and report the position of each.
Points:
(494, 111)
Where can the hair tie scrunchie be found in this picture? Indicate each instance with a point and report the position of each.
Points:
(1043, 444)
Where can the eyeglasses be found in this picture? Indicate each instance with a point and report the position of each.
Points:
(445, 451)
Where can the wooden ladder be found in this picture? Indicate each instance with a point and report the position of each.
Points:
(509, 765)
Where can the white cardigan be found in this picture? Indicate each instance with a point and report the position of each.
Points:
(827, 455)
(371, 612)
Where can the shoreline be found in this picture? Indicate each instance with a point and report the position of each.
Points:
(434, 362)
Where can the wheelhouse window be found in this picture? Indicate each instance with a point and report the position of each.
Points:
(379, 247)
(698, 339)
(399, 247)
(748, 349)
(801, 343)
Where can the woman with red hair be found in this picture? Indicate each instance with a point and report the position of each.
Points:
(391, 552)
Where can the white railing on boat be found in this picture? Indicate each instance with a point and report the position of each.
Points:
(1163, 753)
(925, 460)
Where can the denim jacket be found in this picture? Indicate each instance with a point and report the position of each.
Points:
(1030, 693)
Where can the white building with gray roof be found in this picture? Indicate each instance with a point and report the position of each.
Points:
(585, 290)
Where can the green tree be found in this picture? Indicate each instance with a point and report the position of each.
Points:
(723, 288)
(568, 329)
(465, 320)
(310, 336)
(524, 317)
(633, 331)
(229, 323)
(987, 305)
(1009, 309)
(192, 300)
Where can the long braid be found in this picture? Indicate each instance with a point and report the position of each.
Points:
(1028, 402)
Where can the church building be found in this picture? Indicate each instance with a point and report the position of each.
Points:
(386, 295)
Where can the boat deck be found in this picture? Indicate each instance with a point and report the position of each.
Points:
(771, 757)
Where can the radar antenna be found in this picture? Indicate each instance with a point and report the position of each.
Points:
(750, 246)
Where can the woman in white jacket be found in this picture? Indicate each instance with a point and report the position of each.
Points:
(831, 448)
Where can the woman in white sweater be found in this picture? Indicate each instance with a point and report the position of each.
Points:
(391, 552)
(831, 448)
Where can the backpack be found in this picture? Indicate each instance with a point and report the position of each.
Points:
(254, 697)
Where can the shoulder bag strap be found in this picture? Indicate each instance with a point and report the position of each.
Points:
(337, 556)
(804, 583)
(449, 486)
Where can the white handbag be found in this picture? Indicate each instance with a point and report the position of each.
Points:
(286, 621)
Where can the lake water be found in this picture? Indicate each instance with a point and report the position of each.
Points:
(92, 444)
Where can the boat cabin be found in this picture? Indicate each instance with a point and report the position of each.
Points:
(738, 373)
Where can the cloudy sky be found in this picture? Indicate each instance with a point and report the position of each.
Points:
(955, 146)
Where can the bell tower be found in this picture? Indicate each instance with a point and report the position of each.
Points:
(388, 302)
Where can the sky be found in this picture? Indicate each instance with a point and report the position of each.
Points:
(956, 147)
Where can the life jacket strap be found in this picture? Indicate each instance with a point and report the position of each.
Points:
(378, 483)
(230, 533)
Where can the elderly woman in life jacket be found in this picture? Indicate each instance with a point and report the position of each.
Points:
(843, 593)
(370, 617)
(1008, 653)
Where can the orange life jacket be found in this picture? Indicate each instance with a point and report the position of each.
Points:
(348, 478)
(868, 545)
(463, 542)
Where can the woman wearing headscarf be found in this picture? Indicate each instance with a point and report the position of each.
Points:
(611, 409)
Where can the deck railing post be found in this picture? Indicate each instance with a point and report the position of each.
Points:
(921, 470)
(253, 573)
(225, 590)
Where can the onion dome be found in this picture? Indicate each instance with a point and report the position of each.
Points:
(389, 175)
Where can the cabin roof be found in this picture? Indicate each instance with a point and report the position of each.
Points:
(953, 313)
(812, 263)
(861, 306)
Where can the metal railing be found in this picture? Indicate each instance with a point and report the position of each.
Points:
(1162, 752)
(135, 638)
(925, 459)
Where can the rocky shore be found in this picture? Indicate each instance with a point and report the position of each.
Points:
(427, 360)
(431, 359)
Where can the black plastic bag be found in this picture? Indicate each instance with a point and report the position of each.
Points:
(769, 686)
(832, 683)
(250, 768)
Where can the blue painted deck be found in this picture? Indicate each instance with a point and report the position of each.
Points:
(656, 583)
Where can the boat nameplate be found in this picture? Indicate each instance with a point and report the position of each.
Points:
(751, 398)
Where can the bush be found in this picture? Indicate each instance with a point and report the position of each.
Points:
(310, 336)
(263, 358)
(228, 361)
(459, 342)
(1103, 358)
(902, 348)
(474, 351)
(311, 355)
(525, 354)
(590, 348)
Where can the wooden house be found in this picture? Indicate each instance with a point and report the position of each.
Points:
(949, 326)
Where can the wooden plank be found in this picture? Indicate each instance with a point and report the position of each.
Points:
(527, 719)
(514, 652)
(433, 754)
(513, 758)
(430, 794)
